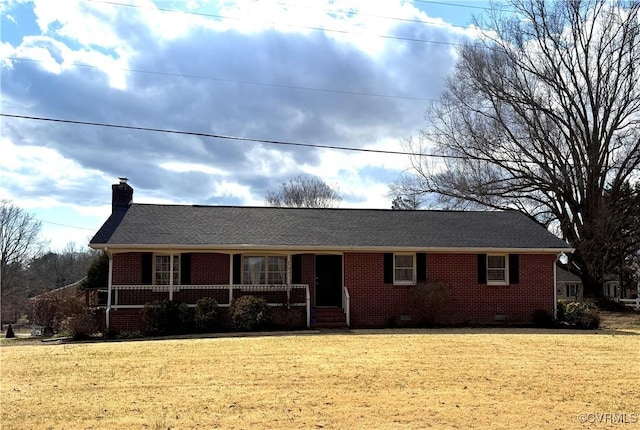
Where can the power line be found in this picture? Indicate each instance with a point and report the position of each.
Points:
(269, 141)
(235, 81)
(322, 29)
(468, 6)
(370, 15)
(229, 137)
(65, 225)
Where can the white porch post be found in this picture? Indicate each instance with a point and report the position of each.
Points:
(308, 300)
(230, 278)
(289, 276)
(109, 288)
(171, 277)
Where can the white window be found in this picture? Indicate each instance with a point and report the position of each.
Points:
(264, 270)
(162, 271)
(497, 270)
(572, 290)
(404, 269)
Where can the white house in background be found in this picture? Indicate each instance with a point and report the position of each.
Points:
(569, 287)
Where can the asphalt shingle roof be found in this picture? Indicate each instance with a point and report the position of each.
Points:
(164, 225)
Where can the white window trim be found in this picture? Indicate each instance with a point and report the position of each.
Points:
(506, 270)
(266, 256)
(569, 287)
(171, 256)
(413, 275)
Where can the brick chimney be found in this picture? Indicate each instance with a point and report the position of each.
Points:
(122, 195)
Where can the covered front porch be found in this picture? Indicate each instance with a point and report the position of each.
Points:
(284, 281)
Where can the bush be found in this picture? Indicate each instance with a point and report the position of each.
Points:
(47, 313)
(80, 325)
(288, 318)
(70, 314)
(249, 313)
(10, 334)
(608, 304)
(542, 318)
(580, 314)
(164, 317)
(206, 316)
(429, 299)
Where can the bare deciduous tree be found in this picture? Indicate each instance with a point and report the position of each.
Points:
(542, 115)
(19, 243)
(406, 193)
(304, 192)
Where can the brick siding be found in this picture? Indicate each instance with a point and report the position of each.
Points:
(127, 268)
(210, 269)
(374, 303)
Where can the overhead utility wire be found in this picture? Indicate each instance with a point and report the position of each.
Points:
(268, 141)
(371, 15)
(236, 138)
(65, 225)
(235, 81)
(329, 30)
(468, 6)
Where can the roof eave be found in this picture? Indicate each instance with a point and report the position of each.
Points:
(231, 248)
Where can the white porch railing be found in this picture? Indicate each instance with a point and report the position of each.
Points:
(630, 303)
(135, 296)
(346, 305)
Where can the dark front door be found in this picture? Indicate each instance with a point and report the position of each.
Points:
(328, 280)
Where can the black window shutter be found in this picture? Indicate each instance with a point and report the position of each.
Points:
(482, 268)
(147, 268)
(237, 269)
(514, 269)
(185, 269)
(421, 266)
(296, 269)
(388, 268)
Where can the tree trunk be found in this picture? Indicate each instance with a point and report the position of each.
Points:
(592, 287)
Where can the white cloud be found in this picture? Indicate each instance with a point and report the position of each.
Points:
(34, 169)
(236, 190)
(193, 167)
(88, 23)
(48, 166)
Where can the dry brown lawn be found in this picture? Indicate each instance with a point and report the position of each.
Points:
(449, 378)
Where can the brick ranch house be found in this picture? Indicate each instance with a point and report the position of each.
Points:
(354, 267)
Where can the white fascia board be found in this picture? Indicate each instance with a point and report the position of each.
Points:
(240, 248)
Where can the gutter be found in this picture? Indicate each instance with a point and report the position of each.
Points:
(240, 248)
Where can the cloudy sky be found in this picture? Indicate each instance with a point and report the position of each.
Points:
(348, 73)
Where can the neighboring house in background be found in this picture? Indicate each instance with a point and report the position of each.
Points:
(612, 289)
(355, 267)
(568, 284)
(68, 291)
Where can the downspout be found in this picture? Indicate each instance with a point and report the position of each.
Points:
(562, 257)
(555, 286)
(109, 285)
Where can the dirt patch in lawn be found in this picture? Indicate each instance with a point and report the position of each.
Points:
(620, 320)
